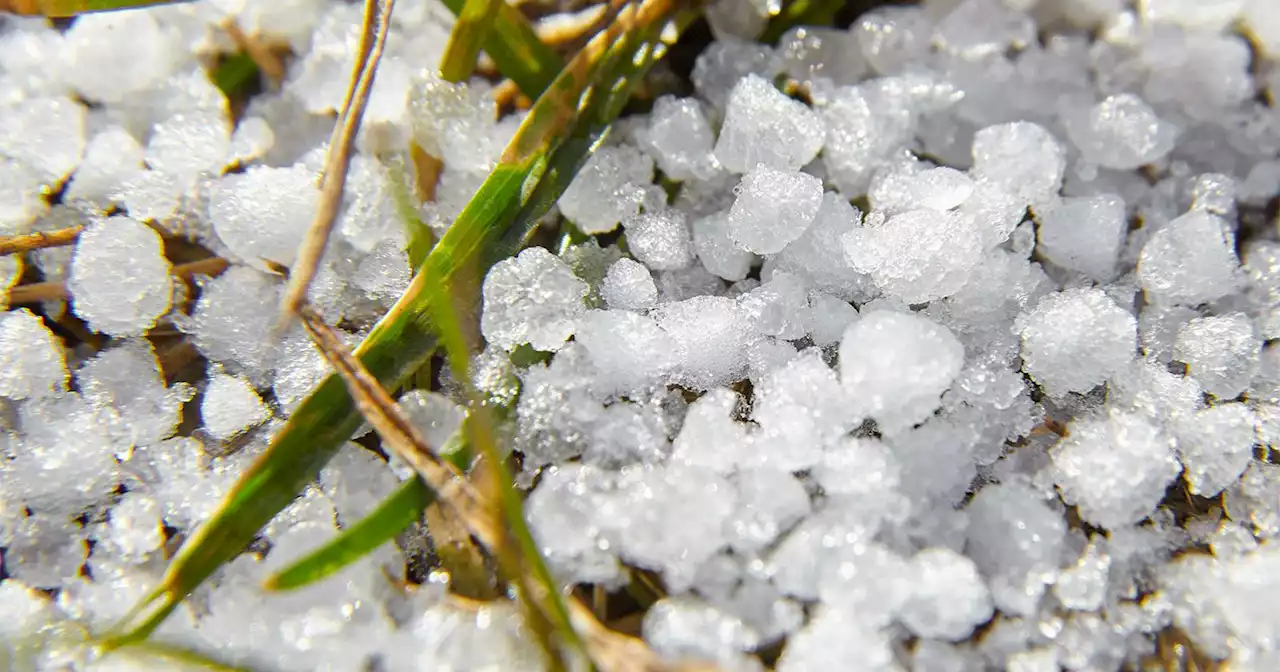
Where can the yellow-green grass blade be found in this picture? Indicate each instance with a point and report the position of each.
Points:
(65, 8)
(158, 655)
(535, 169)
(516, 49)
(474, 25)
(396, 513)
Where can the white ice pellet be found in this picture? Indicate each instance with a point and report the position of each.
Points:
(818, 255)
(1083, 585)
(112, 157)
(47, 134)
(136, 527)
(660, 240)
(684, 627)
(1020, 157)
(114, 55)
(948, 598)
(630, 351)
(859, 468)
(127, 379)
(773, 208)
(710, 437)
(1220, 352)
(46, 551)
(1121, 132)
(829, 316)
(1084, 234)
(762, 125)
(626, 434)
(32, 361)
(263, 213)
(770, 501)
(436, 416)
(1016, 540)
(711, 337)
(1075, 340)
(532, 298)
(115, 303)
(976, 29)
(356, 480)
(234, 319)
(916, 256)
(1216, 446)
(1190, 260)
(940, 188)
(608, 189)
(1115, 468)
(628, 285)
(895, 366)
(800, 408)
(680, 139)
(779, 307)
(724, 63)
(231, 406)
(385, 274)
(189, 144)
(717, 250)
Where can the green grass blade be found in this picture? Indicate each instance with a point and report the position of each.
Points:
(234, 74)
(390, 518)
(517, 50)
(158, 655)
(474, 25)
(64, 8)
(538, 164)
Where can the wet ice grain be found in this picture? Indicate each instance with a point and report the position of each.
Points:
(1121, 132)
(532, 298)
(1189, 261)
(773, 208)
(119, 280)
(263, 213)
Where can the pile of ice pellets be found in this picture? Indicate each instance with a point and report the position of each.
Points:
(941, 342)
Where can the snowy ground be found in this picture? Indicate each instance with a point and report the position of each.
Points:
(819, 392)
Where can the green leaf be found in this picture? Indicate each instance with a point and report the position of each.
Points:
(65, 8)
(393, 516)
(474, 25)
(516, 49)
(234, 73)
(158, 655)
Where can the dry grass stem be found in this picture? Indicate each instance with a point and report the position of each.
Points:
(333, 181)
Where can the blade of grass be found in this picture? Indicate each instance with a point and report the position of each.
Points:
(174, 658)
(390, 518)
(66, 8)
(537, 166)
(474, 25)
(235, 74)
(338, 161)
(515, 48)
